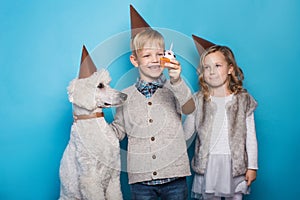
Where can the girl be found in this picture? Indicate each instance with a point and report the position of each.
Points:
(225, 158)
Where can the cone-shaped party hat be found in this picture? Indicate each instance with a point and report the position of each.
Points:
(138, 24)
(202, 44)
(87, 66)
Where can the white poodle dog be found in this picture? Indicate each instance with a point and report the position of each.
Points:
(90, 166)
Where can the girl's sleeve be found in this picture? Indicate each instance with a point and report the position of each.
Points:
(251, 105)
(251, 143)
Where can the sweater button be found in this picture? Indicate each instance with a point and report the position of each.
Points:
(154, 156)
(150, 120)
(154, 173)
(152, 138)
(149, 103)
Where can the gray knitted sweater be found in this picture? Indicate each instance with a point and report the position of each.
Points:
(156, 142)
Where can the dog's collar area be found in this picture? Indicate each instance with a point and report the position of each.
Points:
(90, 116)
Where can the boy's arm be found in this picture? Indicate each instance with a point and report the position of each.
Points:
(184, 96)
(189, 126)
(118, 124)
(188, 107)
(180, 89)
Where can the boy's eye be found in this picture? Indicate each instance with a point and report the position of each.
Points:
(218, 65)
(100, 86)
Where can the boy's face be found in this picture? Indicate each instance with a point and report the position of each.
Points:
(148, 62)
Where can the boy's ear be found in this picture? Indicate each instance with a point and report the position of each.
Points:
(133, 60)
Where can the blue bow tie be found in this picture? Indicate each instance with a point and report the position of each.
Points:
(149, 88)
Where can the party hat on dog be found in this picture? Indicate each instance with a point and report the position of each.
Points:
(201, 44)
(138, 24)
(87, 66)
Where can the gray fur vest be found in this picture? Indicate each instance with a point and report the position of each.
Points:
(241, 106)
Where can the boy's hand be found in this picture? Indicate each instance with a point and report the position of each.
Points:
(250, 176)
(174, 69)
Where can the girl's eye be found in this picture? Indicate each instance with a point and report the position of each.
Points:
(100, 86)
(218, 65)
(160, 54)
(145, 56)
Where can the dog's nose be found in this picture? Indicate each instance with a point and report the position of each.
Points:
(123, 96)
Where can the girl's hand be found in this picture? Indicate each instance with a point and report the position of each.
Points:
(250, 176)
(174, 69)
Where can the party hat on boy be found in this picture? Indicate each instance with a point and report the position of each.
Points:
(138, 24)
(201, 44)
(87, 66)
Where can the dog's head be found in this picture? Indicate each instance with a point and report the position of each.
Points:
(94, 92)
(91, 90)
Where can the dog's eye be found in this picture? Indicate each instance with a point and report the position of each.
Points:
(100, 86)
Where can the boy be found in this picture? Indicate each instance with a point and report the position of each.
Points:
(157, 160)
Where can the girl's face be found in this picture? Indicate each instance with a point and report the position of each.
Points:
(216, 70)
(148, 62)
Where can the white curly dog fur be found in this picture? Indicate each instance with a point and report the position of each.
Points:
(90, 166)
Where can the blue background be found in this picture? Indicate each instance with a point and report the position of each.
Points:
(40, 49)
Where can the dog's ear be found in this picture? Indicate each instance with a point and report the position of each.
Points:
(82, 92)
(87, 66)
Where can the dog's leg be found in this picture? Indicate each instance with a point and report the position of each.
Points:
(68, 173)
(113, 191)
(90, 186)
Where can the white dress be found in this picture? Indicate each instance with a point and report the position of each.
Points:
(218, 180)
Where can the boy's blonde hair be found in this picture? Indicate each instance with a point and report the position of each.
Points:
(148, 36)
(235, 79)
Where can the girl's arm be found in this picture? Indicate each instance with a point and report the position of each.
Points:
(251, 147)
